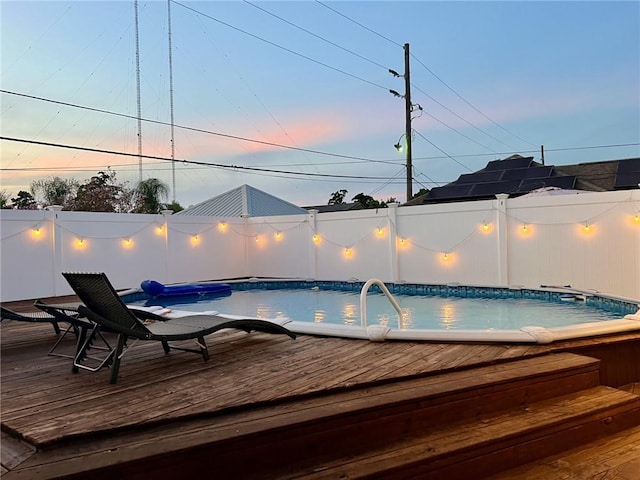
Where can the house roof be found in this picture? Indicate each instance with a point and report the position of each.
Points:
(243, 201)
(606, 175)
(336, 207)
(517, 175)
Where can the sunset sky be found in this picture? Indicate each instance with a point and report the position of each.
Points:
(493, 79)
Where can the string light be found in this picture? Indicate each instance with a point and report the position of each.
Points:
(222, 226)
(380, 231)
(316, 239)
(127, 242)
(486, 226)
(278, 235)
(348, 252)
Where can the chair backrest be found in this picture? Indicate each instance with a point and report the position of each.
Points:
(99, 296)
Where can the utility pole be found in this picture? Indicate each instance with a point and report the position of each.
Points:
(408, 109)
(407, 116)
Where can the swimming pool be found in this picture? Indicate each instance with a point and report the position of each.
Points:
(429, 312)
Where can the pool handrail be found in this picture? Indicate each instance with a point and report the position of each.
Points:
(385, 290)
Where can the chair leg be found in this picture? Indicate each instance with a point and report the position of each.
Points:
(60, 338)
(56, 327)
(165, 346)
(82, 345)
(203, 348)
(115, 366)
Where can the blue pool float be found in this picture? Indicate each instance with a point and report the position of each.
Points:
(157, 289)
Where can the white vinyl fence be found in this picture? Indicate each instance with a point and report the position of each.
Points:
(590, 241)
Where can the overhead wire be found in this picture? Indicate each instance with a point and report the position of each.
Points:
(194, 162)
(439, 79)
(359, 24)
(219, 134)
(280, 46)
(442, 151)
(351, 157)
(469, 103)
(373, 62)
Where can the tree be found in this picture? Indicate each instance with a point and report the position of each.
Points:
(422, 191)
(54, 191)
(4, 200)
(366, 201)
(175, 207)
(102, 193)
(337, 198)
(150, 194)
(24, 201)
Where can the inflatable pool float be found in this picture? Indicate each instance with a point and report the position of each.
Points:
(157, 289)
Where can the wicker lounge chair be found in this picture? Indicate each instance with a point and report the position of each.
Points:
(105, 308)
(66, 316)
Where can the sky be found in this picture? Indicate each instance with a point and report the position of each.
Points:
(293, 97)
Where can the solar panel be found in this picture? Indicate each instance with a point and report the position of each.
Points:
(528, 185)
(486, 189)
(480, 177)
(524, 173)
(628, 174)
(510, 163)
(449, 191)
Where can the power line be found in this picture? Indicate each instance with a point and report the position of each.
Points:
(317, 36)
(438, 148)
(469, 103)
(360, 24)
(464, 120)
(435, 157)
(193, 129)
(281, 47)
(438, 78)
(193, 162)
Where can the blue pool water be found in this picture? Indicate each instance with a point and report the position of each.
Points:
(419, 311)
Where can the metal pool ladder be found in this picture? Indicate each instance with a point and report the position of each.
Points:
(363, 300)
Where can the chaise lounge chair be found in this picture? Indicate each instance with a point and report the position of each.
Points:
(64, 315)
(104, 307)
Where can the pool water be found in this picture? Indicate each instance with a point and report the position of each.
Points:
(419, 311)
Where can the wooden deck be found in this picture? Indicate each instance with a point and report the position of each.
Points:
(166, 408)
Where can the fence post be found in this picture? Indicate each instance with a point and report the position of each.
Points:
(166, 214)
(312, 245)
(56, 246)
(502, 226)
(392, 219)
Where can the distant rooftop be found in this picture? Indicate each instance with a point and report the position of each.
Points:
(337, 207)
(243, 201)
(517, 175)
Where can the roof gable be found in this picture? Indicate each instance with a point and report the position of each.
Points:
(243, 201)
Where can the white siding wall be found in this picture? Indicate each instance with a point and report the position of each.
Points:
(394, 244)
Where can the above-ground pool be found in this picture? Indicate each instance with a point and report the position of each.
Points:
(429, 312)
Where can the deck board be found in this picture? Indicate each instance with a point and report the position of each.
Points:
(44, 402)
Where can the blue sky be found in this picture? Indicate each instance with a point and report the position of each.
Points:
(493, 78)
